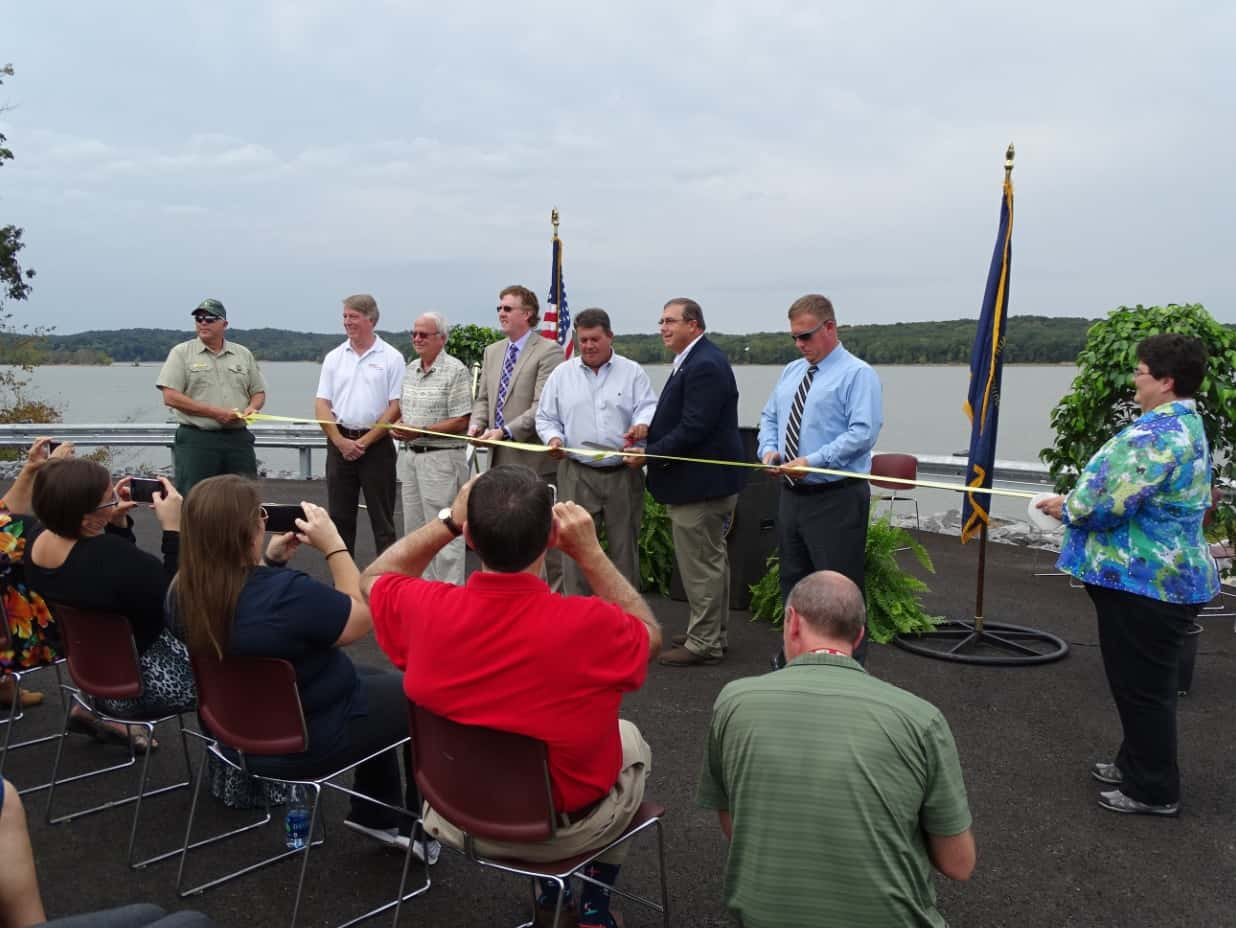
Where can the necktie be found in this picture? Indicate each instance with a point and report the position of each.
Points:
(504, 384)
(794, 423)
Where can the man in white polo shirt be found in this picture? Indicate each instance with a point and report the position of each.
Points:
(357, 397)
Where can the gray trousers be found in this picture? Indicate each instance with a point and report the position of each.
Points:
(704, 566)
(614, 498)
(429, 482)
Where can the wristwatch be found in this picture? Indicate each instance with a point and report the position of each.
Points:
(444, 516)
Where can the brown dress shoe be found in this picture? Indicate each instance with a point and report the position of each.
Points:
(680, 640)
(681, 657)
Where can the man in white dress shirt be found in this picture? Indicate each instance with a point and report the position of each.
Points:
(357, 397)
(595, 400)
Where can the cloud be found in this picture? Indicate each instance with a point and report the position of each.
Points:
(745, 153)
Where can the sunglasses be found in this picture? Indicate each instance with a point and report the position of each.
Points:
(806, 336)
(206, 319)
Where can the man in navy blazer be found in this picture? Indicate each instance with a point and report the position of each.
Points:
(697, 417)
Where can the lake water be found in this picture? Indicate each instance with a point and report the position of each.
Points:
(922, 407)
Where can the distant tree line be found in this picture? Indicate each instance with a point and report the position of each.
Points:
(1030, 340)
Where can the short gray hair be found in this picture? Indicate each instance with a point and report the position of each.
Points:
(830, 603)
(439, 322)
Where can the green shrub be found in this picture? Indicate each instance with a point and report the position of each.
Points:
(893, 606)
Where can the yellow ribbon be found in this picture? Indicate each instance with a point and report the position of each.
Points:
(598, 454)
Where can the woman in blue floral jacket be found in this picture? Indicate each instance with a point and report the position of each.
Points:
(1133, 535)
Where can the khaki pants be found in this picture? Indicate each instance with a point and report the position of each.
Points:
(429, 482)
(601, 826)
(614, 498)
(704, 566)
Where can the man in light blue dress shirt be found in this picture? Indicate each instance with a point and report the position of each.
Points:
(826, 411)
(595, 401)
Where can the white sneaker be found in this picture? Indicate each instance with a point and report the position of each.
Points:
(392, 838)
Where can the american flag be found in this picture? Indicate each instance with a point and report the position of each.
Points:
(557, 321)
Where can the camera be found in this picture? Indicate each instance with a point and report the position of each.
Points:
(281, 517)
(143, 489)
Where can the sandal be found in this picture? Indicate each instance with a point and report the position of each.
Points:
(103, 733)
(8, 689)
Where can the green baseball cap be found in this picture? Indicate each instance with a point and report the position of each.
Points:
(214, 307)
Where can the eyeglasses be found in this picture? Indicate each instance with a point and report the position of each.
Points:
(668, 321)
(425, 334)
(806, 336)
(511, 309)
(1141, 373)
(203, 319)
(114, 502)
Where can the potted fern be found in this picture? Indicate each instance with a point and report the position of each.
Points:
(893, 606)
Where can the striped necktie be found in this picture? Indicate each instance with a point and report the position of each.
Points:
(504, 384)
(794, 423)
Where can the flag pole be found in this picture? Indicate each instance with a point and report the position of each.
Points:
(977, 641)
(553, 217)
(982, 558)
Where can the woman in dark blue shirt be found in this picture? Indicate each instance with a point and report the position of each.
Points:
(230, 598)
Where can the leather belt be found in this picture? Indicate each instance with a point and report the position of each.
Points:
(606, 468)
(570, 818)
(352, 433)
(809, 489)
(420, 449)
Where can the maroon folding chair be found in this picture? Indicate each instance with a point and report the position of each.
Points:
(495, 785)
(102, 662)
(227, 692)
(903, 467)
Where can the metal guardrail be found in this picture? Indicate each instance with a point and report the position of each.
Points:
(306, 438)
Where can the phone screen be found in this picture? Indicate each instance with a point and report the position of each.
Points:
(281, 517)
(143, 489)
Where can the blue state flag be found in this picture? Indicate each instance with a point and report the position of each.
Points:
(982, 404)
(557, 321)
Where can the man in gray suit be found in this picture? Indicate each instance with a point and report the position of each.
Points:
(513, 372)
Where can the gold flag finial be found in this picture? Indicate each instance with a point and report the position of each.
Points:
(1008, 163)
(553, 217)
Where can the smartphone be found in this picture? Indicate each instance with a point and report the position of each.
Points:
(281, 517)
(143, 489)
(52, 446)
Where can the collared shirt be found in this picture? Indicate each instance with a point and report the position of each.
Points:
(832, 777)
(429, 396)
(359, 387)
(1134, 520)
(579, 406)
(682, 355)
(841, 417)
(227, 378)
(519, 344)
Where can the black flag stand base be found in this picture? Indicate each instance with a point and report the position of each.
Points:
(980, 642)
(989, 643)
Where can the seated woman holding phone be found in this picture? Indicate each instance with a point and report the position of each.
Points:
(84, 554)
(231, 598)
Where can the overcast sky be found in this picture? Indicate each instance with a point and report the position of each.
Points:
(282, 155)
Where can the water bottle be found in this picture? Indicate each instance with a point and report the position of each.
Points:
(296, 825)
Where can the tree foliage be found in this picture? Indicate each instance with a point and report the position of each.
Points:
(21, 343)
(1101, 402)
(468, 342)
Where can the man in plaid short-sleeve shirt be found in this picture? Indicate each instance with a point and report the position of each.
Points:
(437, 397)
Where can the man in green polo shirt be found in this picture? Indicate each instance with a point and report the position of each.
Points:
(838, 792)
(211, 385)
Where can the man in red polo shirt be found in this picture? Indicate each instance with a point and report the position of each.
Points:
(493, 652)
